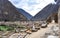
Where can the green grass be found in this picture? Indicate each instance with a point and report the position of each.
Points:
(9, 28)
(5, 28)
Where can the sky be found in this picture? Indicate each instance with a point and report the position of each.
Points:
(31, 6)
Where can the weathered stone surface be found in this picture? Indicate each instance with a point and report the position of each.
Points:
(59, 19)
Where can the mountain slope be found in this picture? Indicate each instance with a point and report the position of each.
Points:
(9, 13)
(27, 15)
(46, 12)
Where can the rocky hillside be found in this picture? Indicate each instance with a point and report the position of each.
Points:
(9, 13)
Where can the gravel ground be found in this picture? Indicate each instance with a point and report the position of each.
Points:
(39, 34)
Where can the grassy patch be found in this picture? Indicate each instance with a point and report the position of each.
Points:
(5, 28)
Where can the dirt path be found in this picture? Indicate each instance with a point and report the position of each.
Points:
(41, 32)
(37, 34)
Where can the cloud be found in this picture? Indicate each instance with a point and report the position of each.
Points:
(15, 1)
(31, 6)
